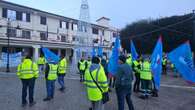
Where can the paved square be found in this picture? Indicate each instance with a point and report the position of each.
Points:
(174, 94)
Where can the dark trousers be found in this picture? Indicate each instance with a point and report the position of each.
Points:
(122, 94)
(146, 86)
(61, 80)
(137, 82)
(82, 72)
(50, 85)
(164, 69)
(28, 84)
(112, 82)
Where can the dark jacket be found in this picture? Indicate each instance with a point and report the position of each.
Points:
(46, 70)
(124, 76)
(105, 65)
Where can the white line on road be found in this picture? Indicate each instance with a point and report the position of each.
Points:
(176, 86)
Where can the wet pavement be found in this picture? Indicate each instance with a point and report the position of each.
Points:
(175, 94)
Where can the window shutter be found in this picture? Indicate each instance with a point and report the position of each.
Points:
(18, 15)
(60, 24)
(28, 17)
(4, 14)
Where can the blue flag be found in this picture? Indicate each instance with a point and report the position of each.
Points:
(113, 61)
(181, 57)
(50, 56)
(133, 52)
(93, 52)
(100, 51)
(156, 63)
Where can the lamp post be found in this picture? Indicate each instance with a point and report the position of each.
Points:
(8, 44)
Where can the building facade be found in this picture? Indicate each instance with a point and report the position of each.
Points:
(29, 29)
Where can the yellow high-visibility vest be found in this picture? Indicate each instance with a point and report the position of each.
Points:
(94, 94)
(145, 71)
(62, 66)
(82, 65)
(129, 61)
(52, 75)
(27, 70)
(41, 61)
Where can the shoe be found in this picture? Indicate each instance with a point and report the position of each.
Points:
(24, 105)
(90, 108)
(47, 99)
(142, 97)
(31, 104)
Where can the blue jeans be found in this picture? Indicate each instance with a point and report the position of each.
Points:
(50, 85)
(123, 93)
(41, 69)
(28, 84)
(61, 80)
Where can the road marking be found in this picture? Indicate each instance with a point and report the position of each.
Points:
(176, 86)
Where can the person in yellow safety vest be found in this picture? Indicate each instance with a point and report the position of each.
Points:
(136, 68)
(174, 70)
(62, 66)
(88, 63)
(146, 78)
(93, 92)
(129, 59)
(82, 68)
(41, 63)
(50, 76)
(27, 72)
(164, 63)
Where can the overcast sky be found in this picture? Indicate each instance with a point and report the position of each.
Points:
(121, 12)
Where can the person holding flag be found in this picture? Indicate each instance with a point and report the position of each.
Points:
(156, 66)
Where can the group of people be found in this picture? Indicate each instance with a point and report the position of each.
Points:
(28, 72)
(94, 74)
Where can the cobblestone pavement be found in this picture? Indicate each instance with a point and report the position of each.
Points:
(175, 94)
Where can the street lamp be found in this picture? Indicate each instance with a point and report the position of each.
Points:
(8, 44)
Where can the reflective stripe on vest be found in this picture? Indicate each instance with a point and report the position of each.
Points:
(52, 70)
(26, 71)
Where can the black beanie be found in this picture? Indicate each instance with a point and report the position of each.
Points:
(95, 60)
(122, 58)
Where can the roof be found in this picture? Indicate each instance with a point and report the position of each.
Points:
(44, 12)
(103, 18)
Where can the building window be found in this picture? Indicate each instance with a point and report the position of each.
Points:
(62, 24)
(24, 17)
(63, 38)
(11, 32)
(95, 31)
(43, 35)
(43, 20)
(74, 27)
(11, 14)
(26, 34)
